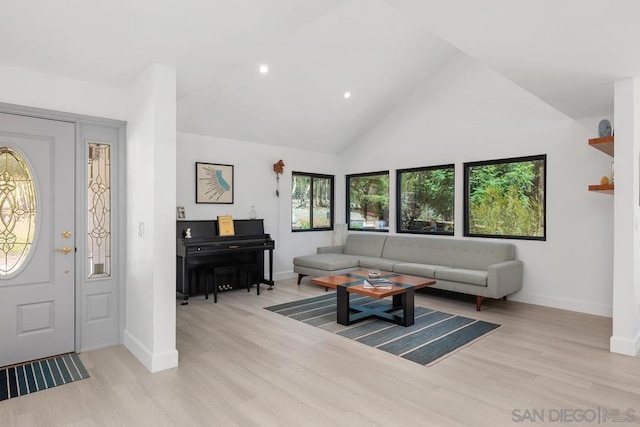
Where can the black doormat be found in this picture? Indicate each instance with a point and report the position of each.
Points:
(18, 380)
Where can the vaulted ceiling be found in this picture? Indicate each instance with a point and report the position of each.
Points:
(568, 53)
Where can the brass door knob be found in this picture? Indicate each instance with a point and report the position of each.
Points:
(66, 234)
(66, 250)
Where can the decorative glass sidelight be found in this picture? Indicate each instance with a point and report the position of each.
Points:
(99, 213)
(18, 210)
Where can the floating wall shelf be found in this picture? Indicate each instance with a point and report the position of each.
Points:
(604, 144)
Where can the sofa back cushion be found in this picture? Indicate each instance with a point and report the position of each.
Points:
(365, 244)
(456, 253)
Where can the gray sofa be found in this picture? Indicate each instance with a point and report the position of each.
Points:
(486, 269)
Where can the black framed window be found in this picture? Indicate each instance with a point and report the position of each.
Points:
(426, 200)
(506, 198)
(368, 201)
(311, 202)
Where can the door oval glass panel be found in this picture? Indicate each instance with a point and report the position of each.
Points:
(18, 210)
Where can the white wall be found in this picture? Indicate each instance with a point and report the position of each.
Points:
(34, 89)
(467, 112)
(150, 331)
(255, 184)
(625, 338)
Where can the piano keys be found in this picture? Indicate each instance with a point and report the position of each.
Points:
(206, 247)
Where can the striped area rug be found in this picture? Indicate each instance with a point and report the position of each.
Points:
(30, 377)
(434, 336)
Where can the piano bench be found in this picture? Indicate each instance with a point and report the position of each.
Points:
(214, 272)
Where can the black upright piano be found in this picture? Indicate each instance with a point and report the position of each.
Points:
(207, 247)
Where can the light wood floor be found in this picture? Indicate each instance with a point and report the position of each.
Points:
(241, 365)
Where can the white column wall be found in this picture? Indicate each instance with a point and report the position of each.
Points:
(626, 279)
(151, 170)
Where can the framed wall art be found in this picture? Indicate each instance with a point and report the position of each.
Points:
(180, 215)
(214, 183)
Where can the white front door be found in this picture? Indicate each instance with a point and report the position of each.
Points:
(37, 250)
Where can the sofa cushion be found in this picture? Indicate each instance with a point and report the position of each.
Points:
(365, 244)
(474, 277)
(379, 263)
(477, 255)
(422, 270)
(329, 262)
(455, 253)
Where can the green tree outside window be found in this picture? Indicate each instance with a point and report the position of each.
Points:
(311, 202)
(426, 200)
(506, 198)
(368, 201)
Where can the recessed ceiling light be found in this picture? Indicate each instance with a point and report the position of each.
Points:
(347, 95)
(264, 69)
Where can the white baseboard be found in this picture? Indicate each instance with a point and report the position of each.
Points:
(153, 362)
(630, 347)
(163, 361)
(282, 275)
(564, 304)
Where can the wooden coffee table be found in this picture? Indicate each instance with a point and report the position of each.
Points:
(402, 294)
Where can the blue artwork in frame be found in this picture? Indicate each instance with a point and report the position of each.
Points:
(214, 183)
